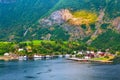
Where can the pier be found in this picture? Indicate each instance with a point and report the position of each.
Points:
(90, 60)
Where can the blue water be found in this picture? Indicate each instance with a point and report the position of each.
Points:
(57, 69)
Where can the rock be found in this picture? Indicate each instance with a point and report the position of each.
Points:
(116, 23)
(74, 31)
(57, 17)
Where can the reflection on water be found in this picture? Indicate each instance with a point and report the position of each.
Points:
(57, 69)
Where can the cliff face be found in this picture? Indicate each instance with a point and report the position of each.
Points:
(116, 23)
(57, 17)
(61, 18)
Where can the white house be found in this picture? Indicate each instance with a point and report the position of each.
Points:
(21, 49)
(75, 52)
(99, 52)
(88, 52)
(92, 52)
(80, 52)
(6, 54)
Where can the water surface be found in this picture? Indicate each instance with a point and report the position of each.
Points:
(57, 69)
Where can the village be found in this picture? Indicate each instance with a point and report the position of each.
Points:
(82, 56)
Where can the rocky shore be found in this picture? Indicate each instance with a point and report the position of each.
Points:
(7, 58)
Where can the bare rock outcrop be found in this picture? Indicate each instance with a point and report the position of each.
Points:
(116, 23)
(61, 17)
(57, 17)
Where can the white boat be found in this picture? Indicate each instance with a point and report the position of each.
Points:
(37, 57)
(48, 56)
(67, 56)
(22, 58)
(60, 56)
(73, 56)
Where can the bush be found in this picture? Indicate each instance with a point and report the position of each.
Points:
(116, 60)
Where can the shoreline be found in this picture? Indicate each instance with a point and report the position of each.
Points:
(90, 60)
(7, 58)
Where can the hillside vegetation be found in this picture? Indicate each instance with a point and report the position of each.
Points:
(83, 18)
(92, 21)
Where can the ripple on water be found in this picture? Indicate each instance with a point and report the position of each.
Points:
(30, 77)
(49, 70)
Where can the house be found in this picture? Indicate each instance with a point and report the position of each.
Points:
(90, 55)
(92, 52)
(87, 57)
(80, 52)
(21, 49)
(99, 53)
(6, 54)
(87, 52)
(75, 52)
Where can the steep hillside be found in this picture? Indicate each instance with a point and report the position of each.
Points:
(23, 11)
(17, 15)
(58, 19)
(112, 7)
(108, 40)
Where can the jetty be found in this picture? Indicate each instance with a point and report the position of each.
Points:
(90, 60)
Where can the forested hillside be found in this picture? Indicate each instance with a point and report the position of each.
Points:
(67, 20)
(17, 15)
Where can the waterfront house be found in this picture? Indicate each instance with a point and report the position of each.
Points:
(90, 55)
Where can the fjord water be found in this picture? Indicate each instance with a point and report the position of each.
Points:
(57, 69)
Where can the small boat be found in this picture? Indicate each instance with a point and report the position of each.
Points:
(67, 56)
(48, 57)
(60, 56)
(37, 57)
(22, 58)
(73, 56)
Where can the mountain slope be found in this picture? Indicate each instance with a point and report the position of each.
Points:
(24, 19)
(108, 40)
(17, 15)
(112, 7)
